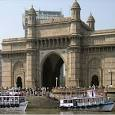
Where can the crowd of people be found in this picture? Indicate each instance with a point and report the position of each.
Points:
(28, 91)
(37, 92)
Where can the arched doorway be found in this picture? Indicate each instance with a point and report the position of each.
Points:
(18, 78)
(95, 81)
(53, 71)
(19, 82)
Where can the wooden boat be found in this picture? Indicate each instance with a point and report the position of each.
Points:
(88, 101)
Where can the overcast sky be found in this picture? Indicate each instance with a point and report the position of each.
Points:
(11, 13)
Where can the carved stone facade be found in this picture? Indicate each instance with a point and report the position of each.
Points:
(63, 51)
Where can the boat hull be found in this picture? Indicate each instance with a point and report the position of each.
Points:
(101, 107)
(107, 107)
(21, 107)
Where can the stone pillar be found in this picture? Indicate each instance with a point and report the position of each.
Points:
(73, 63)
(6, 73)
(38, 74)
(73, 67)
(30, 70)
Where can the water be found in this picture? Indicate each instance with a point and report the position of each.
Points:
(62, 112)
(55, 111)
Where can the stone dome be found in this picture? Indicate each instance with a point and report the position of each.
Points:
(32, 10)
(75, 5)
(91, 18)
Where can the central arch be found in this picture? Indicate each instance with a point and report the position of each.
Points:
(53, 70)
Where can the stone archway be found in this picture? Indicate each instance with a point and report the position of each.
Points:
(19, 82)
(18, 78)
(95, 81)
(53, 71)
(94, 72)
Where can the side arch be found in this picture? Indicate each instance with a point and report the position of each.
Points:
(95, 81)
(94, 68)
(19, 82)
(18, 72)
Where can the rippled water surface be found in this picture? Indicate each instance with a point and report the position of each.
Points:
(64, 112)
(55, 111)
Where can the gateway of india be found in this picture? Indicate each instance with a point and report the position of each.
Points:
(59, 51)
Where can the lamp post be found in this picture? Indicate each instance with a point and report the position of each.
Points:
(111, 76)
(56, 81)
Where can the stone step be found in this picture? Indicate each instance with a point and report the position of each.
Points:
(42, 102)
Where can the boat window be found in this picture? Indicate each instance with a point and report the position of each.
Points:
(16, 98)
(80, 101)
(7, 98)
(65, 101)
(69, 101)
(4, 98)
(21, 99)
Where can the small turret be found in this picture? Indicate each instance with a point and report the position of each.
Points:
(75, 16)
(91, 22)
(31, 16)
(75, 10)
(30, 23)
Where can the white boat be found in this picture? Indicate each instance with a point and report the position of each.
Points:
(12, 100)
(88, 101)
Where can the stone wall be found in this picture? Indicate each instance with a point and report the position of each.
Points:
(53, 30)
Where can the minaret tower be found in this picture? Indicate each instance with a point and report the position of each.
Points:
(31, 23)
(91, 22)
(30, 48)
(75, 16)
(75, 10)
(74, 47)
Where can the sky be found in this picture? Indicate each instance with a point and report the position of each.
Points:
(11, 12)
